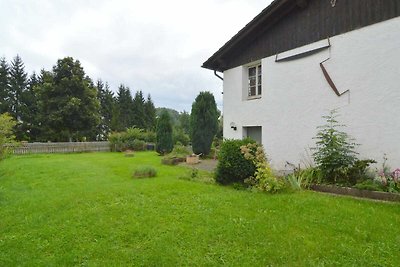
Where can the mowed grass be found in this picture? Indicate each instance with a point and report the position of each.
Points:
(86, 209)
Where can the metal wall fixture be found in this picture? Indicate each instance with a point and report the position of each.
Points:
(233, 126)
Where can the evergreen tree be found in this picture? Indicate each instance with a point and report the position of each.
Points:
(139, 119)
(164, 143)
(18, 84)
(5, 95)
(203, 122)
(107, 103)
(68, 102)
(30, 110)
(150, 113)
(124, 108)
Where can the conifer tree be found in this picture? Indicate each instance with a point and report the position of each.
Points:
(150, 113)
(107, 103)
(203, 122)
(139, 119)
(164, 142)
(5, 95)
(124, 108)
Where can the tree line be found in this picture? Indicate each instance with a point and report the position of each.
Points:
(64, 104)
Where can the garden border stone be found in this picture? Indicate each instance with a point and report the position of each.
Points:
(348, 191)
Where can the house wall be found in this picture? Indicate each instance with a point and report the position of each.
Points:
(296, 94)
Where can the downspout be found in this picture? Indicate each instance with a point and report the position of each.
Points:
(216, 74)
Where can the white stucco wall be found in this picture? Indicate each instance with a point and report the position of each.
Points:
(296, 94)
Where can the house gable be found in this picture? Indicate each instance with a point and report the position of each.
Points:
(287, 24)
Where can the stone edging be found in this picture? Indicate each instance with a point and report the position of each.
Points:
(347, 191)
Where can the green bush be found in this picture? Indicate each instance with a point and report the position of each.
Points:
(132, 139)
(145, 171)
(232, 166)
(177, 155)
(263, 179)
(6, 133)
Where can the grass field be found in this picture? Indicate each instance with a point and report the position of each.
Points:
(86, 209)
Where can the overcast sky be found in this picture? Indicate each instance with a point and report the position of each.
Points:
(155, 46)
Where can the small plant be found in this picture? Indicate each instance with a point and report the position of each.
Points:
(389, 179)
(263, 179)
(335, 151)
(145, 171)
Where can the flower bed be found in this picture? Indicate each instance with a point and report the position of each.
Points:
(348, 191)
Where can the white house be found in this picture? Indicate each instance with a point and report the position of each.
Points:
(299, 59)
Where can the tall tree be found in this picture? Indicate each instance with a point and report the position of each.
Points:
(68, 102)
(107, 103)
(30, 110)
(203, 122)
(124, 108)
(150, 113)
(5, 95)
(139, 119)
(164, 142)
(18, 84)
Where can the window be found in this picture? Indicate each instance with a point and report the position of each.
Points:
(254, 81)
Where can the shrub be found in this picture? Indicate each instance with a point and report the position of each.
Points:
(179, 136)
(232, 166)
(6, 134)
(334, 152)
(132, 139)
(145, 171)
(263, 179)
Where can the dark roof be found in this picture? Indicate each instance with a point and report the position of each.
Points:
(287, 24)
(215, 61)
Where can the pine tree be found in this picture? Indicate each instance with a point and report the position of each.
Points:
(203, 122)
(164, 142)
(30, 109)
(5, 95)
(150, 113)
(184, 122)
(139, 119)
(107, 103)
(18, 83)
(124, 108)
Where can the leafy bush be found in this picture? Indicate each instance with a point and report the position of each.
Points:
(264, 178)
(179, 136)
(6, 133)
(232, 166)
(132, 139)
(334, 152)
(145, 171)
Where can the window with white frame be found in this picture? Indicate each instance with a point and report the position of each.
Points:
(254, 81)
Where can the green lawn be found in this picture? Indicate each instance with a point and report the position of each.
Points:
(86, 209)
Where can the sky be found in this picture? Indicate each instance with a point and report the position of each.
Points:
(155, 46)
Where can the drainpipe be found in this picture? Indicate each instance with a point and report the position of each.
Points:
(216, 74)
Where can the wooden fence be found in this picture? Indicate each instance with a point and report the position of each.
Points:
(67, 147)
